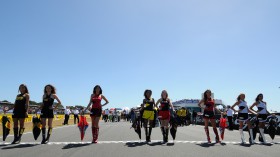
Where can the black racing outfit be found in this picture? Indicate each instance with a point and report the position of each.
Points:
(47, 110)
(151, 104)
(20, 108)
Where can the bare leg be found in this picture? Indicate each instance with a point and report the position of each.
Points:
(206, 121)
(213, 123)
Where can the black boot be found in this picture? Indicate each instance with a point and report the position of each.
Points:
(163, 133)
(43, 135)
(15, 136)
(166, 134)
(49, 135)
(150, 132)
(21, 130)
(147, 135)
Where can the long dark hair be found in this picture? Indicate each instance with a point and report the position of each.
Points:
(94, 90)
(146, 92)
(166, 94)
(239, 96)
(205, 95)
(26, 89)
(257, 98)
(52, 87)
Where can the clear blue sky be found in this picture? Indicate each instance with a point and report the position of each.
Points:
(127, 46)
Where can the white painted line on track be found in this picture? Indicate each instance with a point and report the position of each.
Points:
(125, 142)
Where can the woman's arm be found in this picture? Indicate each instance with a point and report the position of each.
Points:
(57, 99)
(142, 105)
(88, 104)
(266, 108)
(27, 103)
(252, 107)
(106, 101)
(171, 105)
(233, 106)
(158, 102)
(199, 104)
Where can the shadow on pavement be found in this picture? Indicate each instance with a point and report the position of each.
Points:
(223, 144)
(267, 144)
(170, 144)
(20, 146)
(155, 143)
(206, 145)
(244, 144)
(70, 146)
(135, 144)
(3, 145)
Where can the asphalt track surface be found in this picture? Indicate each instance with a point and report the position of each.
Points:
(118, 140)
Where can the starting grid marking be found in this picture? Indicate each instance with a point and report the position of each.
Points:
(130, 142)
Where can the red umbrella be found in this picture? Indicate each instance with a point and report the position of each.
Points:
(223, 125)
(6, 126)
(83, 125)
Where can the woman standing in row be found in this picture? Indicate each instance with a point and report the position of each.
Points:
(261, 114)
(164, 114)
(243, 117)
(20, 112)
(148, 113)
(96, 110)
(209, 114)
(47, 111)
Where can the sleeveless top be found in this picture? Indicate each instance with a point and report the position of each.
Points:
(20, 103)
(210, 105)
(48, 102)
(96, 102)
(261, 108)
(149, 104)
(243, 106)
(165, 105)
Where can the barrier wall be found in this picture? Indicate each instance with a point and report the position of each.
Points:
(30, 116)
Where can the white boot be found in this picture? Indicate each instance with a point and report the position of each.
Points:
(262, 134)
(242, 136)
(251, 136)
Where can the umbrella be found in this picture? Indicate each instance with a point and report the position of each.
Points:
(138, 131)
(37, 125)
(272, 126)
(6, 126)
(83, 125)
(173, 131)
(223, 125)
(174, 124)
(136, 124)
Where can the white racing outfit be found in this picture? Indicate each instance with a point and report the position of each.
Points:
(262, 112)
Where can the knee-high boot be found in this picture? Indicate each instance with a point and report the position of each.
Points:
(43, 135)
(242, 136)
(150, 132)
(217, 135)
(49, 135)
(262, 134)
(95, 138)
(166, 134)
(15, 136)
(21, 130)
(147, 134)
(163, 133)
